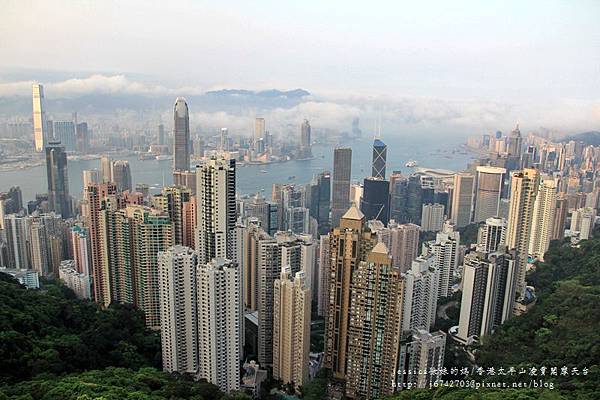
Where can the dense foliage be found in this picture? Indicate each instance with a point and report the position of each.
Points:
(114, 384)
(563, 327)
(48, 331)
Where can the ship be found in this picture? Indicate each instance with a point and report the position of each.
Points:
(164, 157)
(411, 164)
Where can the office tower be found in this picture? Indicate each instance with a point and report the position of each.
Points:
(185, 178)
(106, 169)
(462, 199)
(319, 194)
(181, 136)
(488, 294)
(491, 237)
(224, 145)
(340, 185)
(379, 159)
(524, 188)
(490, 181)
(402, 241)
(423, 352)
(82, 138)
(171, 201)
(582, 221)
(257, 207)
(560, 217)
(121, 175)
(297, 220)
(323, 268)
(414, 200)
(350, 243)
(543, 218)
(94, 194)
(291, 328)
(12, 201)
(77, 281)
(58, 181)
(305, 140)
(432, 217)
(161, 134)
(398, 191)
(219, 296)
(375, 327)
(80, 244)
(216, 209)
(91, 176)
(40, 136)
(259, 130)
(515, 143)
(420, 295)
(16, 230)
(64, 132)
(177, 268)
(376, 199)
(445, 250)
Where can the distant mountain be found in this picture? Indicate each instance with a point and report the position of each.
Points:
(296, 93)
(589, 138)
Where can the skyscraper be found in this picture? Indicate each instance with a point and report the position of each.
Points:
(161, 134)
(106, 169)
(492, 236)
(320, 200)
(259, 131)
(219, 294)
(376, 199)
(379, 159)
(181, 136)
(560, 217)
(445, 249)
(515, 143)
(340, 187)
(64, 132)
(171, 201)
(375, 326)
(177, 268)
(421, 290)
(543, 218)
(490, 181)
(402, 241)
(58, 181)
(462, 199)
(291, 328)
(305, 140)
(423, 352)
(432, 217)
(40, 137)
(121, 175)
(524, 189)
(216, 209)
(350, 243)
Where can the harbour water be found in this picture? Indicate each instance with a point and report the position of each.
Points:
(441, 152)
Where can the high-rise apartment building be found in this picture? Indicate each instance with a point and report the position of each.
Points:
(172, 200)
(216, 209)
(40, 137)
(350, 243)
(488, 294)
(491, 236)
(490, 181)
(181, 136)
(543, 218)
(379, 159)
(420, 295)
(219, 296)
(374, 330)
(177, 267)
(402, 241)
(291, 328)
(59, 200)
(582, 221)
(324, 272)
(462, 199)
(340, 185)
(445, 250)
(524, 189)
(424, 351)
(432, 217)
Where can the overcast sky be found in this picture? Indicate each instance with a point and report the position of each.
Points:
(459, 49)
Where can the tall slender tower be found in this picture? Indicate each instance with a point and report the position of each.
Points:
(524, 188)
(220, 323)
(543, 219)
(305, 140)
(181, 136)
(259, 131)
(39, 118)
(291, 328)
(216, 209)
(58, 181)
(340, 188)
(178, 305)
(487, 195)
(349, 244)
(375, 326)
(379, 159)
